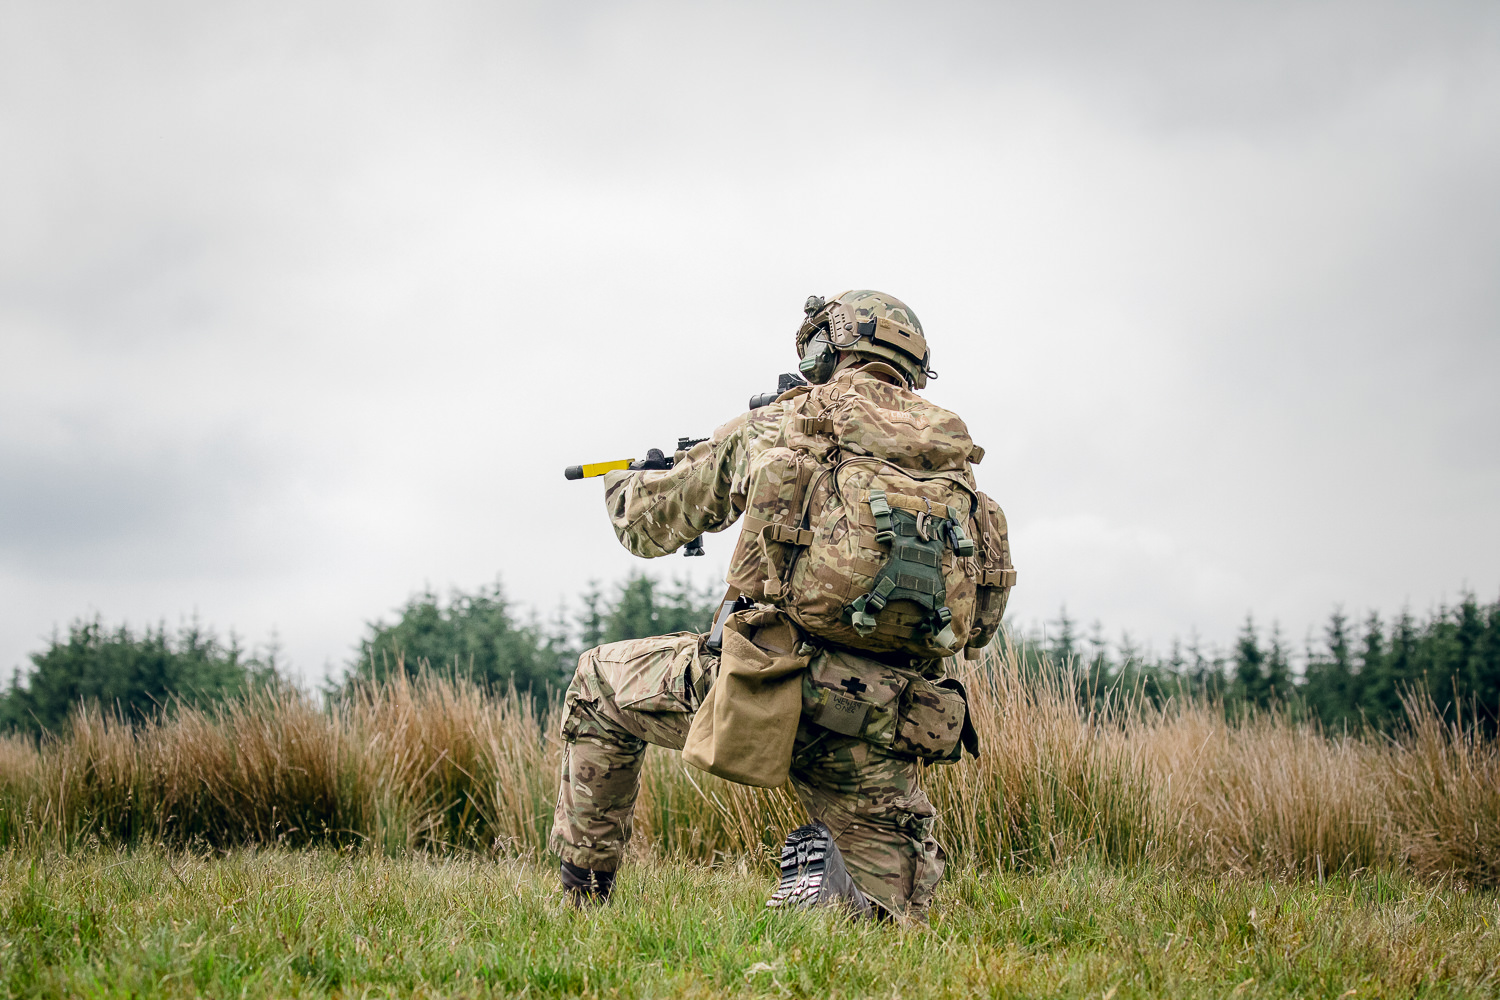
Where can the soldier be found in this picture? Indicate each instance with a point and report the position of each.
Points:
(870, 456)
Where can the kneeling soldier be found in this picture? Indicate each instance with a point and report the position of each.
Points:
(868, 558)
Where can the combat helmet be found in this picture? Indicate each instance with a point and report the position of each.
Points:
(867, 323)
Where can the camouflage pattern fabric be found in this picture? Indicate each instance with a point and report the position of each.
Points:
(871, 324)
(627, 694)
(655, 513)
(868, 304)
(776, 465)
(848, 768)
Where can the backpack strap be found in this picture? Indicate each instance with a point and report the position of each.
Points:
(775, 531)
(917, 505)
(813, 419)
(815, 426)
(881, 508)
(997, 578)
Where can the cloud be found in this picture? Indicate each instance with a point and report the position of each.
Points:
(303, 307)
(91, 508)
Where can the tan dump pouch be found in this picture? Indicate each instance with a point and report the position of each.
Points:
(887, 706)
(745, 728)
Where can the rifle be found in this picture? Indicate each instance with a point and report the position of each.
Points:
(656, 460)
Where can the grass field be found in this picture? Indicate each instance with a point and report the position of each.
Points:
(392, 843)
(273, 923)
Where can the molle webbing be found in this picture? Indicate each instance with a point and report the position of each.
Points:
(945, 520)
(774, 586)
(914, 570)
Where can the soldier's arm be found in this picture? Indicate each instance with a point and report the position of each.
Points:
(656, 513)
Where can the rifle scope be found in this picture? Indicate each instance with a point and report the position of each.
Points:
(786, 381)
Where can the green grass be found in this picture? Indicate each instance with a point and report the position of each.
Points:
(263, 923)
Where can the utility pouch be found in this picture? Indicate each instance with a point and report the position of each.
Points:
(854, 696)
(934, 721)
(994, 574)
(890, 707)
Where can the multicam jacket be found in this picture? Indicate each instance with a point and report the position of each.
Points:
(655, 513)
(896, 452)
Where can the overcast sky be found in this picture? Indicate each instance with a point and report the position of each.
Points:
(306, 305)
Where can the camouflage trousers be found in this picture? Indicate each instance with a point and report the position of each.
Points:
(625, 695)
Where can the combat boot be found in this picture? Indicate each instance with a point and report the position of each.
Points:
(813, 873)
(585, 886)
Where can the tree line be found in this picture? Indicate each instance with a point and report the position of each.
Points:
(1356, 673)
(480, 634)
(137, 673)
(477, 633)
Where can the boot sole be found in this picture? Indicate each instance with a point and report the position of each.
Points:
(804, 862)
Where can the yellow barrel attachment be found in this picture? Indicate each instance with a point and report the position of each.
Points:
(596, 469)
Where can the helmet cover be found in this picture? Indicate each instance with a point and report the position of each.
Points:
(869, 324)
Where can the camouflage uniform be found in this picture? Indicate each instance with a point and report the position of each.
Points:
(627, 694)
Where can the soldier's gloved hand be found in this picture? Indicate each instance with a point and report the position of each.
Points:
(654, 460)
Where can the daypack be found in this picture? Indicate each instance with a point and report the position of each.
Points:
(863, 523)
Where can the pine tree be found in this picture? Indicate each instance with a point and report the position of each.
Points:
(1250, 685)
(1176, 662)
(1330, 679)
(1207, 670)
(1381, 694)
(1468, 654)
(1097, 670)
(591, 619)
(634, 614)
(1402, 664)
(1487, 671)
(1437, 660)
(471, 634)
(687, 608)
(118, 670)
(1064, 647)
(1278, 668)
(558, 645)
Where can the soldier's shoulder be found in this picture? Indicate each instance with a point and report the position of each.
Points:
(729, 428)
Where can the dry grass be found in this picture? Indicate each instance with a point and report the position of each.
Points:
(439, 764)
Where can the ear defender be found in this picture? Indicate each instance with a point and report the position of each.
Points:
(818, 363)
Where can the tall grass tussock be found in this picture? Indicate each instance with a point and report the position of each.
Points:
(436, 763)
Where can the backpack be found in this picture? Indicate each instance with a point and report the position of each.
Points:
(863, 523)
